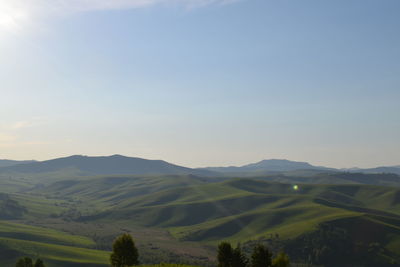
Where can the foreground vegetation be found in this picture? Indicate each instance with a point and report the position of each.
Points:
(125, 254)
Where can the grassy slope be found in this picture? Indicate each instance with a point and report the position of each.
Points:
(82, 195)
(248, 209)
(102, 192)
(55, 247)
(31, 233)
(52, 254)
(235, 210)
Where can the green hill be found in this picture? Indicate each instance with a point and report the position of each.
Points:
(182, 218)
(54, 255)
(55, 247)
(250, 208)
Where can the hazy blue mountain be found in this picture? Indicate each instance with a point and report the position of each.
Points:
(115, 164)
(394, 169)
(8, 163)
(280, 165)
(270, 165)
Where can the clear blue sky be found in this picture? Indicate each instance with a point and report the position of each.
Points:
(200, 82)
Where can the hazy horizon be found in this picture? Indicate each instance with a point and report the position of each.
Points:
(202, 82)
(226, 165)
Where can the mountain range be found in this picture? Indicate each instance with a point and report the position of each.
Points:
(115, 164)
(270, 165)
(118, 164)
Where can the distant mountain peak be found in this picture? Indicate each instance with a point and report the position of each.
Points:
(118, 156)
(268, 166)
(279, 165)
(277, 160)
(280, 161)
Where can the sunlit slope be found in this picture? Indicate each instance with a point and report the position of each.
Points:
(110, 190)
(55, 247)
(246, 209)
(238, 210)
(53, 255)
(32, 233)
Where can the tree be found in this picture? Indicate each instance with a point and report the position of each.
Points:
(39, 263)
(24, 262)
(239, 259)
(261, 257)
(281, 260)
(124, 252)
(225, 254)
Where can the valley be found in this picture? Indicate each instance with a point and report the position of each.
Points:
(70, 217)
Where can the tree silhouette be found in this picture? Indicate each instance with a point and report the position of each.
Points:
(27, 262)
(281, 260)
(239, 259)
(225, 254)
(261, 257)
(39, 263)
(124, 252)
(24, 262)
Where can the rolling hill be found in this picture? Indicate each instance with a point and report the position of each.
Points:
(244, 202)
(308, 177)
(245, 210)
(69, 210)
(195, 210)
(54, 247)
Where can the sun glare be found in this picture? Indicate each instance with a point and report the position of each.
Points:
(12, 17)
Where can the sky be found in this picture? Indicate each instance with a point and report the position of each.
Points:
(202, 82)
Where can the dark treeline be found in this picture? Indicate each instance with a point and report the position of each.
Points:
(331, 246)
(334, 246)
(261, 256)
(28, 262)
